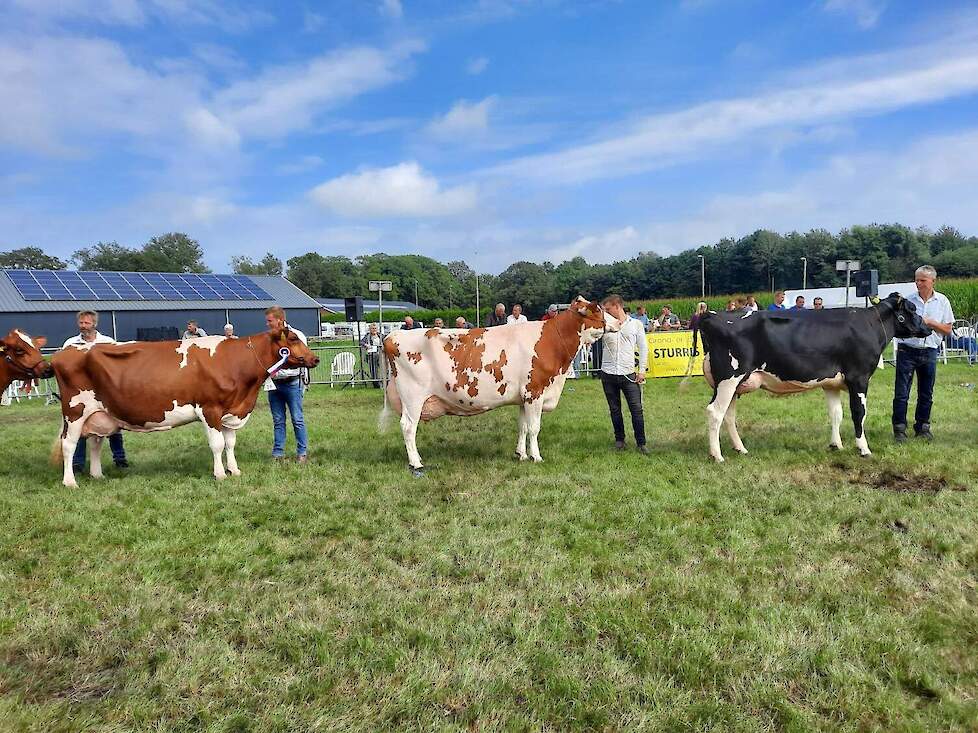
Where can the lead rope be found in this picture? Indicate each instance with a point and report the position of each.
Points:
(283, 353)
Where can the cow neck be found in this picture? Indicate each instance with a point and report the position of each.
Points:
(6, 375)
(882, 324)
(568, 348)
(264, 355)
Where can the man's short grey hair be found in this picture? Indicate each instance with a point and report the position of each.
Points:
(91, 314)
(501, 305)
(926, 271)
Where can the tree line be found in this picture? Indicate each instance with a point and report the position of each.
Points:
(763, 260)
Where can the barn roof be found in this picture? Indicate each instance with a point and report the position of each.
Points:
(280, 291)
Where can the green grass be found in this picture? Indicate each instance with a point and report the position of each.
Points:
(783, 590)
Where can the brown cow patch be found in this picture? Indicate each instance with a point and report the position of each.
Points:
(553, 352)
(392, 352)
(495, 368)
(414, 356)
(431, 333)
(466, 352)
(502, 388)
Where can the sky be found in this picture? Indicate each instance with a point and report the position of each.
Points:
(484, 130)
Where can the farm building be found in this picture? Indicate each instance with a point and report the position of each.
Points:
(147, 305)
(335, 305)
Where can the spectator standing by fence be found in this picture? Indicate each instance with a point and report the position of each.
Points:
(193, 331)
(517, 315)
(371, 344)
(497, 317)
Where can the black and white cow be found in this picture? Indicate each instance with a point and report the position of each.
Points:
(786, 352)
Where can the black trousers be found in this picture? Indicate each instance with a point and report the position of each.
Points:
(614, 385)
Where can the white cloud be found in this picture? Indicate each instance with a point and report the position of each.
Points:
(403, 190)
(477, 65)
(617, 244)
(463, 120)
(660, 140)
(287, 98)
(56, 92)
(312, 22)
(391, 8)
(209, 130)
(865, 12)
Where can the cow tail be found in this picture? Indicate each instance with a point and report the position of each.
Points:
(393, 407)
(684, 385)
(57, 457)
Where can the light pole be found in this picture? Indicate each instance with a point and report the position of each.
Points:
(416, 292)
(804, 273)
(702, 277)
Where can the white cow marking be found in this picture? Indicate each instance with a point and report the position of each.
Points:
(861, 443)
(204, 342)
(179, 415)
(733, 361)
(24, 337)
(748, 314)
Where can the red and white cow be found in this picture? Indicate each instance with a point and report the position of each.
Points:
(21, 360)
(467, 372)
(151, 386)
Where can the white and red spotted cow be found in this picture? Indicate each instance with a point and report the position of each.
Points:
(151, 386)
(786, 352)
(467, 372)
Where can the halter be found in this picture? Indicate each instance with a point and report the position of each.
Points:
(29, 371)
(284, 354)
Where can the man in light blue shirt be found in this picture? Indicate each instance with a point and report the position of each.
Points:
(919, 356)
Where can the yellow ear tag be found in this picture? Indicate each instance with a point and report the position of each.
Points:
(875, 300)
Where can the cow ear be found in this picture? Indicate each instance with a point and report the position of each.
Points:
(40, 341)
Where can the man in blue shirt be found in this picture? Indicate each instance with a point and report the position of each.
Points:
(799, 304)
(919, 356)
(778, 304)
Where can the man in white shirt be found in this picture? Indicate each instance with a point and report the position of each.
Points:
(517, 315)
(620, 375)
(287, 394)
(919, 356)
(88, 334)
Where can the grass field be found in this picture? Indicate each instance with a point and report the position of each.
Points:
(791, 589)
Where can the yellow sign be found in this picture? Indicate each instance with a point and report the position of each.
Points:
(669, 353)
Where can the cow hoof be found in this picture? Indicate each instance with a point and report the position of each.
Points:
(220, 476)
(833, 446)
(868, 454)
(537, 459)
(70, 485)
(235, 472)
(520, 458)
(742, 451)
(717, 459)
(417, 472)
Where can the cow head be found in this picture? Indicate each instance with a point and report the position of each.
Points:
(907, 323)
(593, 320)
(22, 355)
(299, 355)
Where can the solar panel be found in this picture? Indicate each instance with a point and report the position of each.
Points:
(98, 285)
(70, 285)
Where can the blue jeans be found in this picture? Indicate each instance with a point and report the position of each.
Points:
(923, 363)
(287, 393)
(115, 443)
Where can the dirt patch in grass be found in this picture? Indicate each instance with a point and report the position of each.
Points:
(906, 483)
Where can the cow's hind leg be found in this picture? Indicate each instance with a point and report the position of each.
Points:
(717, 410)
(857, 406)
(834, 399)
(730, 420)
(95, 456)
(230, 438)
(521, 435)
(410, 417)
(69, 441)
(534, 411)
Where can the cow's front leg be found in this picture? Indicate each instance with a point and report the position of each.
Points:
(215, 438)
(717, 410)
(521, 435)
(857, 406)
(230, 438)
(95, 456)
(69, 441)
(834, 399)
(534, 411)
(730, 420)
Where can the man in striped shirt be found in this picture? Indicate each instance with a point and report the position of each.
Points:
(619, 373)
